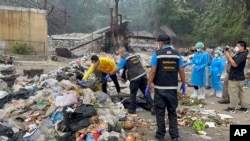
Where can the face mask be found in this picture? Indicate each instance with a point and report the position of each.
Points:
(95, 64)
(198, 49)
(236, 49)
(216, 55)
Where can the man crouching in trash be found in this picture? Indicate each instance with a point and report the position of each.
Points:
(165, 65)
(137, 77)
(105, 65)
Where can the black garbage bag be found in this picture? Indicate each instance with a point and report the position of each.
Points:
(79, 75)
(4, 100)
(17, 136)
(140, 102)
(62, 76)
(111, 138)
(6, 131)
(79, 119)
(22, 94)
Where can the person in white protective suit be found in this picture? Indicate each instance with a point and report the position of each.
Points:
(198, 77)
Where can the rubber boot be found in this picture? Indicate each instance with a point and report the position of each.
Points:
(195, 94)
(201, 95)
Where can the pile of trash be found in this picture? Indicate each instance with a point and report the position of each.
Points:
(185, 100)
(54, 107)
(200, 119)
(6, 70)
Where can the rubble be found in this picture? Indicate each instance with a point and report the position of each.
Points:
(70, 41)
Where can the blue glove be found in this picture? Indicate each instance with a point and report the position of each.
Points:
(107, 77)
(81, 82)
(198, 69)
(147, 91)
(183, 88)
(118, 73)
(185, 65)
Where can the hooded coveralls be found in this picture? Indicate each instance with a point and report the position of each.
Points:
(200, 60)
(216, 69)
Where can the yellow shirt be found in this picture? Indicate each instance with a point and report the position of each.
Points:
(106, 65)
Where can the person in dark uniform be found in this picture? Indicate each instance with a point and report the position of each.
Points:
(137, 77)
(237, 77)
(165, 65)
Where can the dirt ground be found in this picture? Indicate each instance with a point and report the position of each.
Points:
(187, 134)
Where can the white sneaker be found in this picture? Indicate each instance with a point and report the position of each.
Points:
(195, 94)
(219, 94)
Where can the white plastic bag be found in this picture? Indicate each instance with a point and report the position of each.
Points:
(66, 99)
(3, 94)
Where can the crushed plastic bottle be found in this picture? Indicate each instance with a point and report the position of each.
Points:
(123, 133)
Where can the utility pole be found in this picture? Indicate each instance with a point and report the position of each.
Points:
(116, 24)
(65, 20)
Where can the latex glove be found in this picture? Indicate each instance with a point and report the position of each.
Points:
(183, 88)
(147, 91)
(218, 75)
(81, 82)
(107, 77)
(198, 69)
(184, 65)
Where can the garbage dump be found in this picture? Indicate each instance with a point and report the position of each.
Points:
(54, 107)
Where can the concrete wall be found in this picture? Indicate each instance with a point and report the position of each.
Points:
(24, 25)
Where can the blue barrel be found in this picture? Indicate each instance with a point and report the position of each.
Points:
(248, 84)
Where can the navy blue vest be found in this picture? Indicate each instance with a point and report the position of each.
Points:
(166, 76)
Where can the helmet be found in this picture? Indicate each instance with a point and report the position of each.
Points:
(199, 45)
(218, 52)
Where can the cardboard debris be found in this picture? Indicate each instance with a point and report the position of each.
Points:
(224, 116)
(210, 124)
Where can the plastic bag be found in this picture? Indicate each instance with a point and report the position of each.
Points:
(66, 99)
(51, 82)
(101, 97)
(88, 96)
(3, 94)
(66, 84)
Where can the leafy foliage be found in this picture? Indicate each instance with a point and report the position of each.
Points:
(21, 48)
(215, 22)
